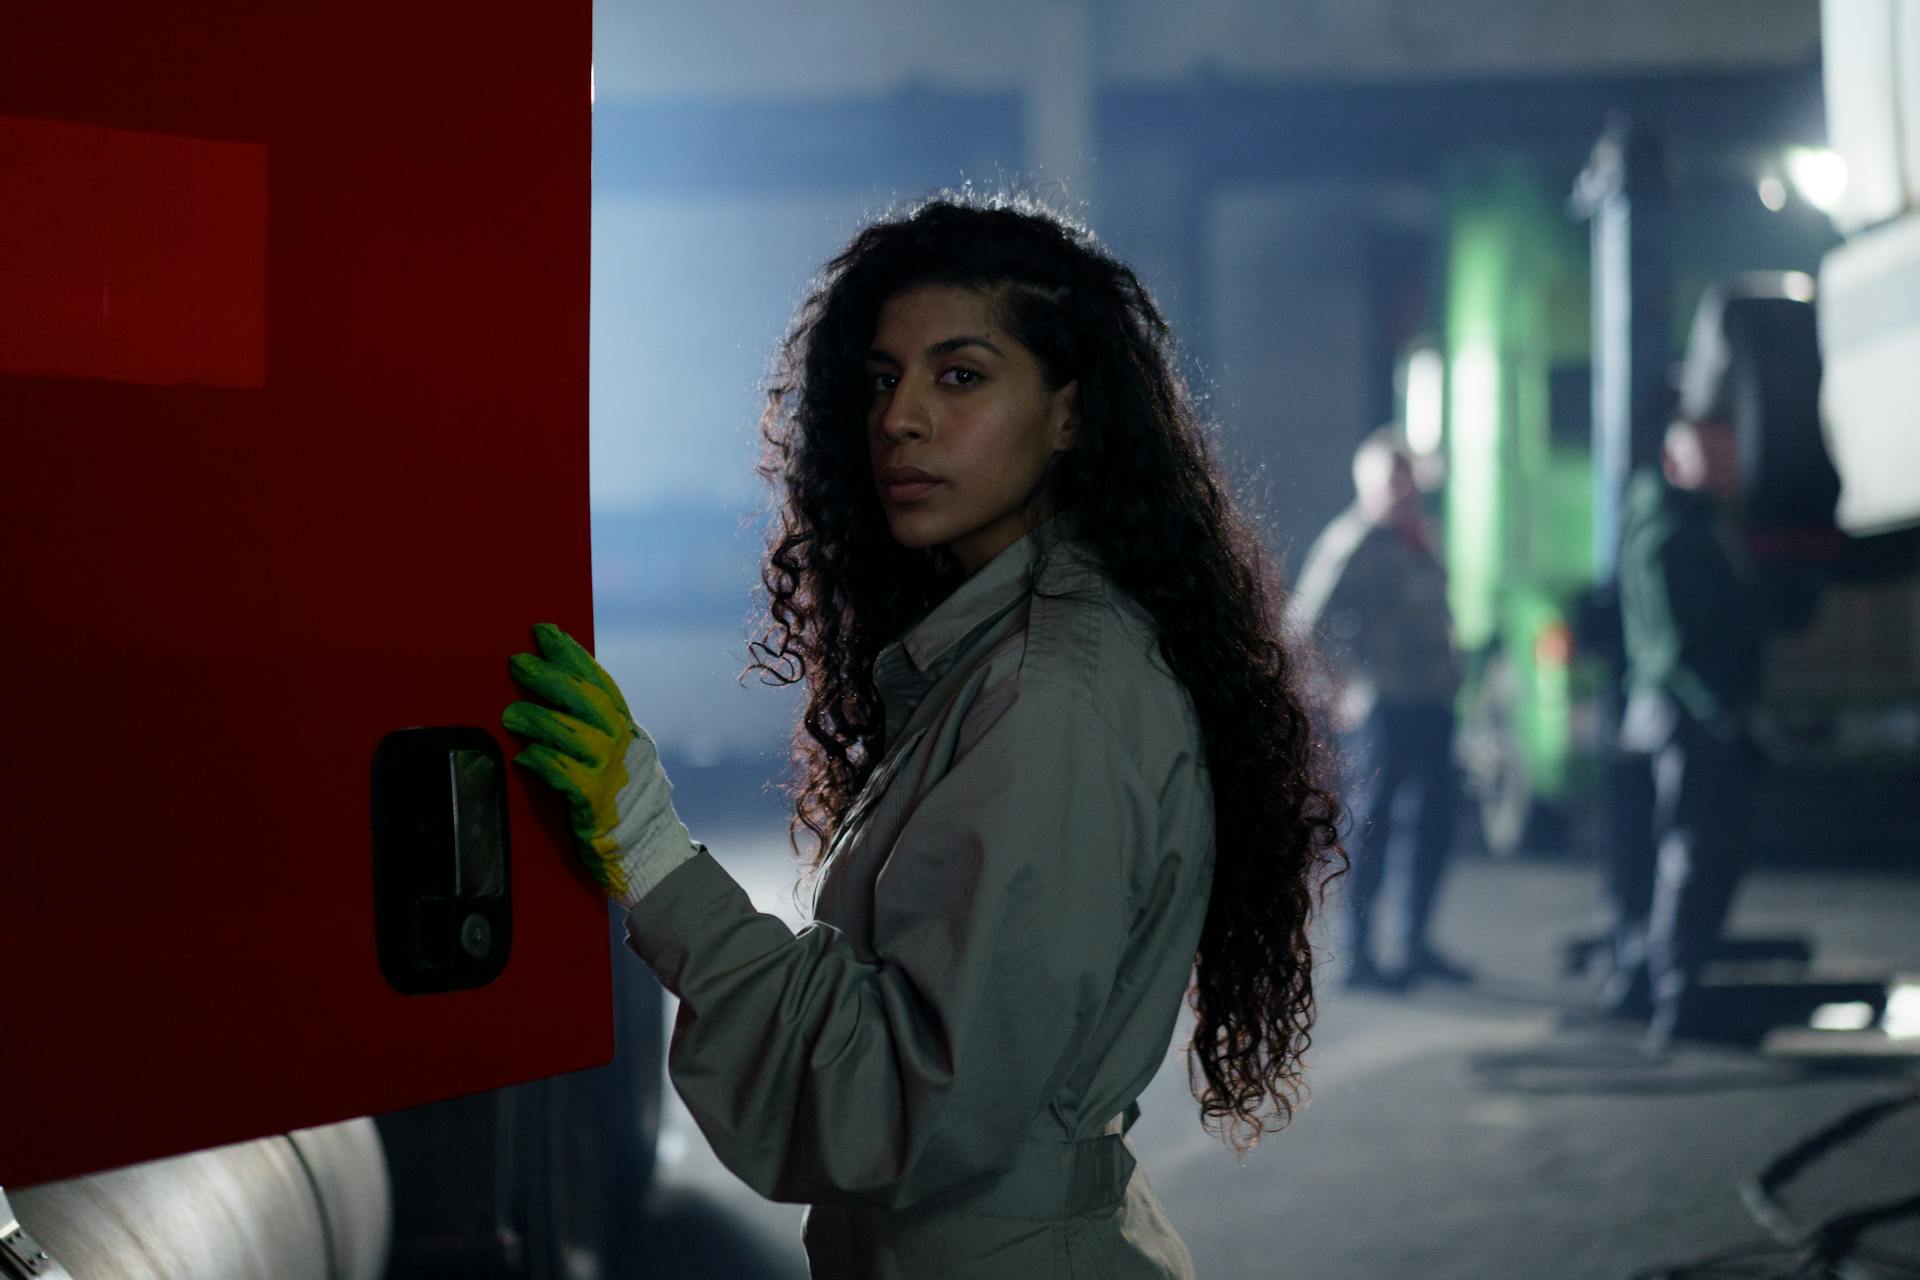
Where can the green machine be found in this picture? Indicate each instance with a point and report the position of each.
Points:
(1525, 481)
(1517, 495)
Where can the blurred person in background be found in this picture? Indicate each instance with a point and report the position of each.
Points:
(1694, 630)
(1054, 754)
(1373, 592)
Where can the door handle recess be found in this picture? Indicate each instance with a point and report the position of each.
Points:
(442, 907)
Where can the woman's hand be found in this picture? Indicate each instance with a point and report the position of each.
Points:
(591, 751)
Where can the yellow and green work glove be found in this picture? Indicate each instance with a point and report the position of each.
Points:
(591, 751)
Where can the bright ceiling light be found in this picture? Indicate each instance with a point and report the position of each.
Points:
(1426, 373)
(1902, 1017)
(1773, 193)
(1854, 1015)
(1819, 175)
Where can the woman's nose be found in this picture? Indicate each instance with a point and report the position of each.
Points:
(903, 415)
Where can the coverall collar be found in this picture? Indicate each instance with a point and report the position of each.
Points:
(1000, 583)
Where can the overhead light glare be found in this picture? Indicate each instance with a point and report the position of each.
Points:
(1854, 1015)
(1426, 373)
(1902, 1017)
(1819, 175)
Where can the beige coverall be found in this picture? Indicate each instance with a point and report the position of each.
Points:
(943, 1064)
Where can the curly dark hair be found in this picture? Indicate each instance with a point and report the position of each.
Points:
(1151, 500)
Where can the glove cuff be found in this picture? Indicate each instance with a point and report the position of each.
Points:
(645, 873)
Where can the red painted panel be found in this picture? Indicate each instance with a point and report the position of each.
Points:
(308, 484)
(130, 256)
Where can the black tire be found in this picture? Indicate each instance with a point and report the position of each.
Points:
(1786, 477)
(1753, 359)
(598, 1133)
(540, 1181)
(1493, 766)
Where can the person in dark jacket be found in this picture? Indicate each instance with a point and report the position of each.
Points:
(1695, 637)
(1373, 594)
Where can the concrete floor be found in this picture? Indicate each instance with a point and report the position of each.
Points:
(1455, 1133)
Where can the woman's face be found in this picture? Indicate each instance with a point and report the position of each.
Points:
(955, 397)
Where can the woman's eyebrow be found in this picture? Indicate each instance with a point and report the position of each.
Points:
(941, 348)
(964, 340)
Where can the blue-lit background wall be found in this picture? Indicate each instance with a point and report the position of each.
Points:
(1274, 175)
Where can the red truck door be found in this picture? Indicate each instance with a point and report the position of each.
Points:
(293, 388)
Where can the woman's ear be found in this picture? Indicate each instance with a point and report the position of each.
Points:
(1064, 428)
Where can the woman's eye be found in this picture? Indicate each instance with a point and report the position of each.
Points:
(960, 377)
(878, 382)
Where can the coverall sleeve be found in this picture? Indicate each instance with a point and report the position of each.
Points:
(1001, 913)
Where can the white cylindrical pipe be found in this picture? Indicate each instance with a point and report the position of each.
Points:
(315, 1205)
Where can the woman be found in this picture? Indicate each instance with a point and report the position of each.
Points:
(1053, 751)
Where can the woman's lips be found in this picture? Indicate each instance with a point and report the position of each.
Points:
(908, 490)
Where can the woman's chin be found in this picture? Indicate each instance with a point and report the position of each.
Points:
(916, 533)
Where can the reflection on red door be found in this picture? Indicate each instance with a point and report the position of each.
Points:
(133, 257)
(293, 364)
